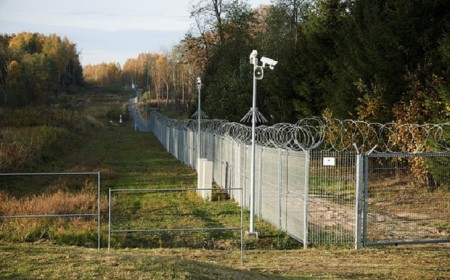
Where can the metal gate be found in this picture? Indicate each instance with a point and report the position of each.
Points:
(174, 217)
(406, 198)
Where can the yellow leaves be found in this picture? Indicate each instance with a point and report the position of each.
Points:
(371, 106)
(14, 68)
(102, 74)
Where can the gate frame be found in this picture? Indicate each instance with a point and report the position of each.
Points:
(241, 228)
(363, 202)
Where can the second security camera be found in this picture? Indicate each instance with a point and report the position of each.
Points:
(268, 61)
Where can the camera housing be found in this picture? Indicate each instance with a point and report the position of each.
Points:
(268, 61)
(253, 57)
(259, 72)
(199, 82)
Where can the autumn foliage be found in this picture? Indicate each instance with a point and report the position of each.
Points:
(35, 67)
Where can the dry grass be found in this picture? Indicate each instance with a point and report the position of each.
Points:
(55, 200)
(59, 202)
(21, 147)
(399, 210)
(38, 261)
(407, 197)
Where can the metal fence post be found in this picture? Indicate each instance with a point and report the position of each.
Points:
(280, 186)
(242, 224)
(260, 183)
(358, 195)
(109, 219)
(244, 176)
(305, 229)
(366, 197)
(98, 211)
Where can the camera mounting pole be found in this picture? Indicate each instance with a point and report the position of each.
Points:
(256, 116)
(199, 114)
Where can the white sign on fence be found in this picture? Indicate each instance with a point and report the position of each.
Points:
(329, 161)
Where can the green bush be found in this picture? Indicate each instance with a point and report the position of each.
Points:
(438, 166)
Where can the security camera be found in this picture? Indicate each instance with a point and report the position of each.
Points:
(269, 62)
(259, 72)
(253, 57)
(199, 83)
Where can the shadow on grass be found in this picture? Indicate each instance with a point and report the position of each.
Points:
(26, 261)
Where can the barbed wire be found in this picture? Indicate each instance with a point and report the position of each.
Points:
(331, 134)
(344, 135)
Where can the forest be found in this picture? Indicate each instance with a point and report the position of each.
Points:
(34, 68)
(371, 60)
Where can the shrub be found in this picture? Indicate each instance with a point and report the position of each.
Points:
(22, 147)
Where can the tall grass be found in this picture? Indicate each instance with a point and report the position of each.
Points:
(34, 135)
(55, 200)
(126, 159)
(40, 116)
(22, 147)
(32, 140)
(62, 201)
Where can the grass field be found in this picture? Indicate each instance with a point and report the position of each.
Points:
(129, 159)
(44, 261)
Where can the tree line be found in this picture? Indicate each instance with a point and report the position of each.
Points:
(36, 67)
(374, 60)
(164, 78)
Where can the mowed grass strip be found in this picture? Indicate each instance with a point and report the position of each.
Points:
(129, 159)
(125, 158)
(136, 160)
(41, 261)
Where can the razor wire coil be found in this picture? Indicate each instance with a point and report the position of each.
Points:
(326, 134)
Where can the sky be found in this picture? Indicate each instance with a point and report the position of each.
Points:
(104, 30)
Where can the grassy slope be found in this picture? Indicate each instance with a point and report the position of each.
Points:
(130, 159)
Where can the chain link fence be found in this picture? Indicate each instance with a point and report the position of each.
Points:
(406, 204)
(309, 176)
(331, 208)
(281, 176)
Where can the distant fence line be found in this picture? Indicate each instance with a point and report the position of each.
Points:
(296, 190)
(280, 177)
(282, 192)
(324, 134)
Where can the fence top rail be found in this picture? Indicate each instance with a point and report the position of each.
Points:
(49, 173)
(392, 155)
(175, 229)
(171, 190)
(49, 216)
